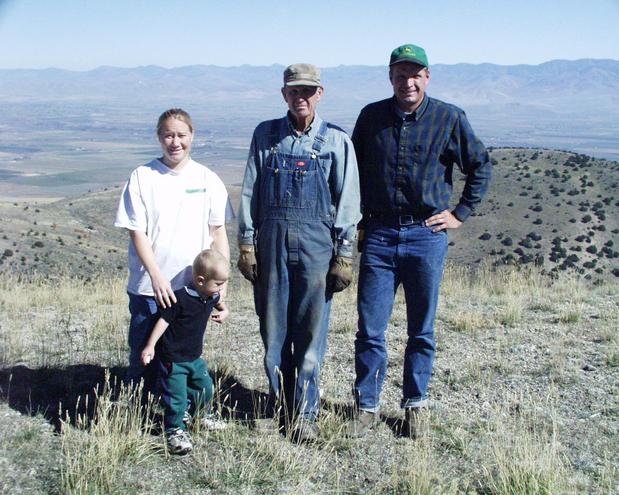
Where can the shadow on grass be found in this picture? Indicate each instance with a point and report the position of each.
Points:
(61, 393)
(67, 393)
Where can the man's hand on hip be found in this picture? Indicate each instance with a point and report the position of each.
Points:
(443, 221)
(247, 263)
(340, 274)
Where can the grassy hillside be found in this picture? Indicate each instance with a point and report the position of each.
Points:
(524, 397)
(524, 390)
(549, 208)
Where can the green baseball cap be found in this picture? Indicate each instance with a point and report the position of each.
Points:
(409, 53)
(302, 75)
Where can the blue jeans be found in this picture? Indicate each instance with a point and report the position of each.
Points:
(414, 256)
(144, 314)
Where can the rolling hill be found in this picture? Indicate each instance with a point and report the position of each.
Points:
(551, 208)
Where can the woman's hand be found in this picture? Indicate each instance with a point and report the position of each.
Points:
(162, 290)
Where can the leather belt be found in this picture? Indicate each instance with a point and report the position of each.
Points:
(392, 219)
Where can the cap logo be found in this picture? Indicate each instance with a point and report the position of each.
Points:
(300, 163)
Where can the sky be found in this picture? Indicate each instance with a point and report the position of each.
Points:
(85, 34)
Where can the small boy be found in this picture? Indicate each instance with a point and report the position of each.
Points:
(178, 335)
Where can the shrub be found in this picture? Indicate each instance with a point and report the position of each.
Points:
(534, 236)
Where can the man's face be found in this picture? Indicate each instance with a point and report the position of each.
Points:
(409, 83)
(302, 100)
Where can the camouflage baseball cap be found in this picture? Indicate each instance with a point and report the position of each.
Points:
(409, 53)
(302, 75)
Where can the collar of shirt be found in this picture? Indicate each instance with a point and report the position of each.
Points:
(414, 116)
(194, 293)
(164, 169)
(311, 131)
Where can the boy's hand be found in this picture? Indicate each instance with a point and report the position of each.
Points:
(223, 313)
(147, 355)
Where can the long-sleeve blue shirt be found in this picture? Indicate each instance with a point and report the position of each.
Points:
(406, 161)
(338, 163)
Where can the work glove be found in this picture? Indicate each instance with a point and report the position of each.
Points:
(247, 262)
(340, 274)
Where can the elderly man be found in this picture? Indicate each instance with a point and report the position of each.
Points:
(406, 147)
(297, 221)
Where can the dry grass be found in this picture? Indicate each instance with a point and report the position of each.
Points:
(97, 452)
(516, 413)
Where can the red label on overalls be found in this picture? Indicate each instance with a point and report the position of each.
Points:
(300, 163)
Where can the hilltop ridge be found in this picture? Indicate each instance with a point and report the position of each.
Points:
(544, 207)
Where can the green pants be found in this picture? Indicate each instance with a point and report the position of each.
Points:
(184, 386)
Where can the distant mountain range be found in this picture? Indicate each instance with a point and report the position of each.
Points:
(560, 104)
(582, 85)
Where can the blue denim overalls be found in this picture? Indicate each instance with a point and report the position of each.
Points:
(295, 247)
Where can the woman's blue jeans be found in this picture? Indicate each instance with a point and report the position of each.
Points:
(144, 314)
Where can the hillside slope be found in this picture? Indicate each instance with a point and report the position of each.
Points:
(552, 208)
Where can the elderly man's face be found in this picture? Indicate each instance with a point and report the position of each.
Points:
(409, 83)
(302, 100)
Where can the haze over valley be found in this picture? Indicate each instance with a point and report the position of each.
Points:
(67, 132)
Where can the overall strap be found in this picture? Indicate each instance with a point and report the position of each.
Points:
(321, 137)
(274, 134)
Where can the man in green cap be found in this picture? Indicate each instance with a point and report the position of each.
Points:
(297, 223)
(406, 147)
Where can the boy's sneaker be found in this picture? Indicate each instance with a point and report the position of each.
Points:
(179, 442)
(212, 422)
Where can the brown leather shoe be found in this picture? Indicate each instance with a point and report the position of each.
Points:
(305, 431)
(416, 422)
(362, 424)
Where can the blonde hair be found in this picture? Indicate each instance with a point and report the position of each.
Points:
(212, 265)
(174, 113)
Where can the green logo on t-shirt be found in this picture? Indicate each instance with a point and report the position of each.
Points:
(191, 191)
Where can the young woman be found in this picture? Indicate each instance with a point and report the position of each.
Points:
(173, 208)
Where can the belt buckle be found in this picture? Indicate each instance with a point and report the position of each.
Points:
(406, 220)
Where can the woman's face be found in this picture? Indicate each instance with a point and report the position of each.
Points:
(175, 137)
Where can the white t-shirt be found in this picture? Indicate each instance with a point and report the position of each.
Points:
(175, 210)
